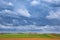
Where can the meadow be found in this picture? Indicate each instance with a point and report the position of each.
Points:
(27, 35)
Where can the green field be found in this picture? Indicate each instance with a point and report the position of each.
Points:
(29, 35)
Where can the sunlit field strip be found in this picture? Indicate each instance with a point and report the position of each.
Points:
(29, 35)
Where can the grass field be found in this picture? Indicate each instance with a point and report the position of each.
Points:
(29, 35)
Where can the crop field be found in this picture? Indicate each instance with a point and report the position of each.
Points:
(29, 35)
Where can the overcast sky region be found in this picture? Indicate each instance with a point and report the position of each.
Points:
(40, 16)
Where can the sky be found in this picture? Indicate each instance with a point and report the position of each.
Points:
(40, 16)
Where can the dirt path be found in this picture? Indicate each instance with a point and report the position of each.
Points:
(29, 38)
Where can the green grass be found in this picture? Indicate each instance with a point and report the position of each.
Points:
(25, 36)
(56, 35)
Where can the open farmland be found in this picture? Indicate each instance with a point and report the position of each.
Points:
(29, 35)
(29, 39)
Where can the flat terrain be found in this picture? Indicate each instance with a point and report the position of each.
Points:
(29, 39)
(27, 36)
(30, 36)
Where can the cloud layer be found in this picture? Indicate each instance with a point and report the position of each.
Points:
(23, 12)
(29, 28)
(54, 14)
(30, 15)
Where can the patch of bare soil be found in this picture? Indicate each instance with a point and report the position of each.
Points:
(29, 38)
